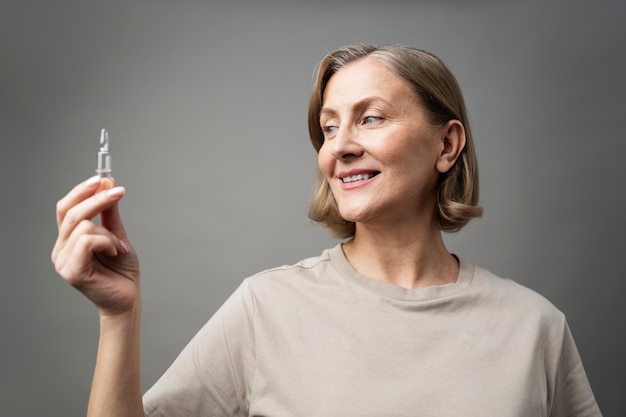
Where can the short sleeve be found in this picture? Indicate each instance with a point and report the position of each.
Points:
(572, 393)
(212, 376)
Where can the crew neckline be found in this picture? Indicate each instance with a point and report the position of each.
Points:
(389, 290)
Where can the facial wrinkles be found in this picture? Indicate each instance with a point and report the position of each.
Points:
(361, 89)
(402, 148)
(350, 97)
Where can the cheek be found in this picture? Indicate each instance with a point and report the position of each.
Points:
(421, 152)
(325, 162)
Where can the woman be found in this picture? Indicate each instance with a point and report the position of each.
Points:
(387, 323)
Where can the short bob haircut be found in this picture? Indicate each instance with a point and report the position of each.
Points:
(438, 90)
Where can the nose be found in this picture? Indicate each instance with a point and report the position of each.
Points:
(345, 144)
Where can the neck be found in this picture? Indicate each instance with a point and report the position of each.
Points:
(409, 257)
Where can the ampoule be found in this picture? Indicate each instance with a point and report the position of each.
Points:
(104, 162)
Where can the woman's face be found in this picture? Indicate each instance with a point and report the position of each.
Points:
(380, 152)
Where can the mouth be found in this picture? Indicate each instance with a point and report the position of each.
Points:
(358, 177)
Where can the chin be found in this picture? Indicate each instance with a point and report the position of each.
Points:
(355, 215)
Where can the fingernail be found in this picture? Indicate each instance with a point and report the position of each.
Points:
(116, 191)
(93, 181)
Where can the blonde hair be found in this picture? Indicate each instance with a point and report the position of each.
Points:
(432, 81)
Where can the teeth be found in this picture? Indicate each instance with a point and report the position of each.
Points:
(359, 177)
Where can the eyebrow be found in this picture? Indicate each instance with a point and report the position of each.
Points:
(358, 106)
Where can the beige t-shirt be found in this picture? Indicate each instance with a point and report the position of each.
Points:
(319, 339)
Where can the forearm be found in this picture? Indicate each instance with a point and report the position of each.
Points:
(116, 389)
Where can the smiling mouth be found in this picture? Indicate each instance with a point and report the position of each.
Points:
(358, 177)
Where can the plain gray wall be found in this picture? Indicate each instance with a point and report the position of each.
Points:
(206, 108)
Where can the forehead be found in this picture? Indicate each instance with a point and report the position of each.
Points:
(367, 77)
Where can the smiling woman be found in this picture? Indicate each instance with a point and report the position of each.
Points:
(387, 322)
(424, 81)
(381, 157)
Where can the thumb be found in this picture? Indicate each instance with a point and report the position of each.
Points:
(110, 218)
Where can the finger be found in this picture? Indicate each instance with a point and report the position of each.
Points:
(88, 209)
(76, 195)
(86, 227)
(121, 245)
(75, 264)
(110, 218)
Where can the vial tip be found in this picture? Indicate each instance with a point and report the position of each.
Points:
(104, 139)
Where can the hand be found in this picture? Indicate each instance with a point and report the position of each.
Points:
(98, 260)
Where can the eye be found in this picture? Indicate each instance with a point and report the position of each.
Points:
(329, 130)
(370, 120)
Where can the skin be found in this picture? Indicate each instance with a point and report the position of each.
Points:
(373, 123)
(99, 261)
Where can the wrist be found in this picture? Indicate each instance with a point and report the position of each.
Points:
(131, 315)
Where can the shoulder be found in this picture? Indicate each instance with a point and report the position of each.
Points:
(515, 298)
(306, 266)
(295, 277)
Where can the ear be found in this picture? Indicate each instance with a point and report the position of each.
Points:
(453, 140)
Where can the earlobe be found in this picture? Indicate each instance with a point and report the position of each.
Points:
(453, 138)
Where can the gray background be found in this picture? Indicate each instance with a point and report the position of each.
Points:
(206, 108)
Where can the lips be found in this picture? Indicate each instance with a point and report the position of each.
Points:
(356, 176)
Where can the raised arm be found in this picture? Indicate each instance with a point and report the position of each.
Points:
(99, 261)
